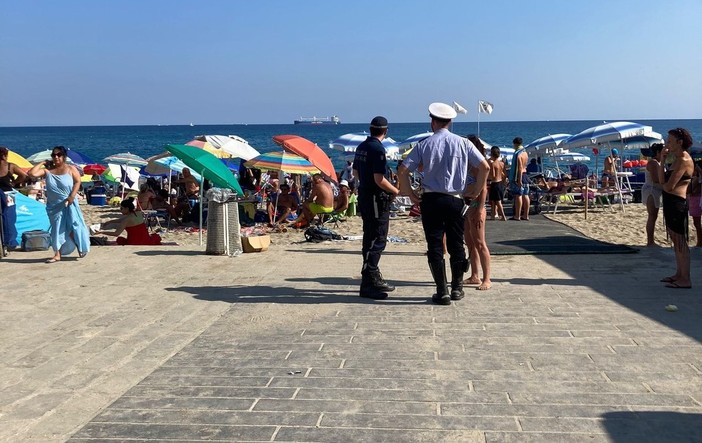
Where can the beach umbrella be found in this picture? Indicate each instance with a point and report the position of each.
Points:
(606, 133)
(174, 164)
(43, 156)
(13, 157)
(207, 165)
(410, 142)
(125, 158)
(547, 143)
(208, 147)
(348, 143)
(282, 161)
(79, 158)
(94, 169)
(309, 150)
(233, 145)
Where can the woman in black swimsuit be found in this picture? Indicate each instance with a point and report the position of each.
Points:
(675, 182)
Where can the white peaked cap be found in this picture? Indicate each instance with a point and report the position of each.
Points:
(442, 110)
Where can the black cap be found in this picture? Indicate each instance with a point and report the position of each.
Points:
(379, 122)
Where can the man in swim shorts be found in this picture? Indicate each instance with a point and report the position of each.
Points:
(519, 181)
(321, 201)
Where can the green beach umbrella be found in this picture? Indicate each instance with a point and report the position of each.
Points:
(207, 165)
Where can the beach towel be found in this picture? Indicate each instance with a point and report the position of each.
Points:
(65, 220)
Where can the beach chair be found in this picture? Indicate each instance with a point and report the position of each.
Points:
(332, 218)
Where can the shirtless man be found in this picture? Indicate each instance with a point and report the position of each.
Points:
(286, 203)
(192, 187)
(609, 174)
(518, 181)
(342, 201)
(496, 184)
(321, 201)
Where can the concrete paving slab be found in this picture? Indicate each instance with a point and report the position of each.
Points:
(169, 344)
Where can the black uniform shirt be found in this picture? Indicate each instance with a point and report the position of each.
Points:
(369, 159)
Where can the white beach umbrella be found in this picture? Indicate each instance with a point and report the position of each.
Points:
(233, 145)
(43, 156)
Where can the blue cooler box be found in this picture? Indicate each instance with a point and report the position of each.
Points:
(98, 199)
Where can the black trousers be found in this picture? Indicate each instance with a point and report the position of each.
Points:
(441, 214)
(375, 214)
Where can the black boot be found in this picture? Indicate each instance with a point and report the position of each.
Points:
(438, 271)
(380, 282)
(458, 268)
(373, 286)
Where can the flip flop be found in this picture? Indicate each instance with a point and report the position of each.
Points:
(515, 219)
(674, 285)
(667, 280)
(52, 260)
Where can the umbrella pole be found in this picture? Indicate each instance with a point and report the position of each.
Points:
(202, 185)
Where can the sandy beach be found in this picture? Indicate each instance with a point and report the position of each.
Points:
(610, 225)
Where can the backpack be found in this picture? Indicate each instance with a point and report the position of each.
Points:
(318, 234)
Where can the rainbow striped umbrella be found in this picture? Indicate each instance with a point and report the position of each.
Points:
(282, 161)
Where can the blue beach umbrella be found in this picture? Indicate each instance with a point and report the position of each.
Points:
(547, 143)
(348, 143)
(605, 134)
(410, 142)
(80, 158)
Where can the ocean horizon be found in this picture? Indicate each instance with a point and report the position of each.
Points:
(99, 142)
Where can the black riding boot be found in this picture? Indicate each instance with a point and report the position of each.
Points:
(458, 268)
(373, 286)
(438, 271)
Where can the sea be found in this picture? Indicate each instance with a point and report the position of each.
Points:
(99, 142)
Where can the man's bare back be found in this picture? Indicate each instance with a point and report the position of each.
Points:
(322, 194)
(496, 174)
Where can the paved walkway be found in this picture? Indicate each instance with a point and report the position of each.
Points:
(168, 343)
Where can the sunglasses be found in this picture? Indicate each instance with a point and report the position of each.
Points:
(56, 154)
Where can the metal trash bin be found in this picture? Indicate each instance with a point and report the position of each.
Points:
(223, 229)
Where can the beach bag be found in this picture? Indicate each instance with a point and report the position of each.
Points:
(98, 241)
(37, 240)
(318, 234)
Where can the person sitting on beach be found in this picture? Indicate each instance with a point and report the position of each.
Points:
(192, 187)
(145, 197)
(609, 174)
(321, 201)
(285, 204)
(161, 202)
(341, 203)
(134, 223)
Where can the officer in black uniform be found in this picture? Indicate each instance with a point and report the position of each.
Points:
(375, 193)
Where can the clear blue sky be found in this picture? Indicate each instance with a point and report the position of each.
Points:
(94, 62)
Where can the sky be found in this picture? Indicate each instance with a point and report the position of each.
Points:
(142, 62)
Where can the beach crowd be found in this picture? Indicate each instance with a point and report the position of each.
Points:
(454, 183)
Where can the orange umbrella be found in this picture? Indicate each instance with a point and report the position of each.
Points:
(309, 150)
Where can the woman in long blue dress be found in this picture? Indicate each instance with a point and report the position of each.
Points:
(68, 229)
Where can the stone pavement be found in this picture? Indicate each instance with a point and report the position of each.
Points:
(166, 343)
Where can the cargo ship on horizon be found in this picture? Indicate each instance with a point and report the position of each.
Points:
(333, 120)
